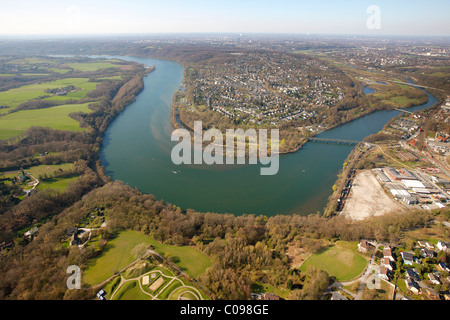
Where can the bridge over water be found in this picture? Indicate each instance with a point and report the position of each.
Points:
(338, 141)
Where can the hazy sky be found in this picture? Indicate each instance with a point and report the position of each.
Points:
(397, 17)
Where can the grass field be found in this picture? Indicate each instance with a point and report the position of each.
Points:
(117, 255)
(58, 184)
(161, 284)
(57, 117)
(94, 66)
(130, 291)
(340, 260)
(14, 97)
(189, 259)
(48, 168)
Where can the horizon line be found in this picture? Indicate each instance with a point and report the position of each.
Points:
(241, 34)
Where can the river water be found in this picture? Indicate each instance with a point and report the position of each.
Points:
(137, 147)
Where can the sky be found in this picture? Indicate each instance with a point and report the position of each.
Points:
(396, 17)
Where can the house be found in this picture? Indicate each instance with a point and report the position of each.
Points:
(255, 296)
(427, 253)
(387, 263)
(6, 245)
(101, 295)
(443, 267)
(270, 296)
(411, 274)
(29, 192)
(433, 279)
(71, 231)
(413, 286)
(385, 273)
(410, 200)
(421, 243)
(74, 240)
(31, 232)
(443, 246)
(387, 253)
(429, 245)
(407, 257)
(364, 246)
(430, 293)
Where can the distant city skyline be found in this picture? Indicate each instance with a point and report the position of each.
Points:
(27, 17)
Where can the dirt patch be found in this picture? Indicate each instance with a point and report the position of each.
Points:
(155, 285)
(367, 198)
(297, 255)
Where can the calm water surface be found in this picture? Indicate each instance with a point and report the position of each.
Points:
(137, 148)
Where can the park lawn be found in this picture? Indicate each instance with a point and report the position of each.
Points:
(164, 295)
(340, 260)
(111, 286)
(116, 255)
(57, 117)
(189, 259)
(188, 295)
(130, 291)
(58, 184)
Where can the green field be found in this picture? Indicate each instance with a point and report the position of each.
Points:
(130, 291)
(190, 260)
(57, 117)
(94, 66)
(48, 169)
(14, 97)
(117, 255)
(161, 285)
(58, 184)
(340, 260)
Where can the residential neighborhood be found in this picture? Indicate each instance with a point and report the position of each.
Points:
(418, 274)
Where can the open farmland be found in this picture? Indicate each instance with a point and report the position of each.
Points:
(16, 123)
(91, 66)
(14, 97)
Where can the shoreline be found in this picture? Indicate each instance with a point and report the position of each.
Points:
(175, 124)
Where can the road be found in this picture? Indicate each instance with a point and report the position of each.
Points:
(369, 275)
(148, 253)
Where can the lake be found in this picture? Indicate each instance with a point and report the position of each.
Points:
(137, 147)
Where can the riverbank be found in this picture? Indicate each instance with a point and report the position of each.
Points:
(349, 201)
(302, 185)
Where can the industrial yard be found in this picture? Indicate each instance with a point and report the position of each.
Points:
(415, 188)
(367, 198)
(383, 190)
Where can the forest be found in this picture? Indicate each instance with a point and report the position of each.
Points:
(244, 248)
